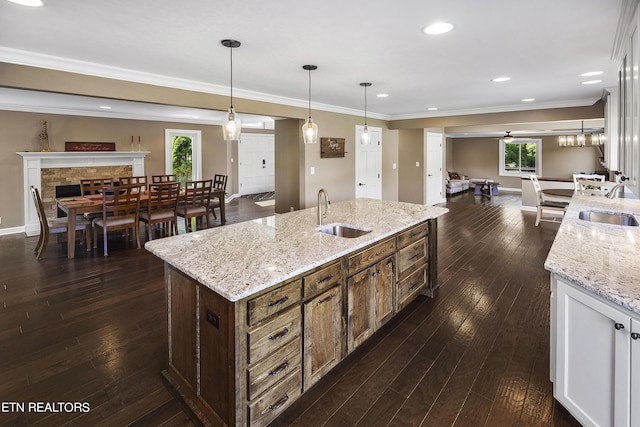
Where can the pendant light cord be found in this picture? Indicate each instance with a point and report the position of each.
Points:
(309, 93)
(365, 105)
(231, 62)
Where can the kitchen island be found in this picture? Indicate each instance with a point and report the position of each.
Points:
(260, 311)
(595, 314)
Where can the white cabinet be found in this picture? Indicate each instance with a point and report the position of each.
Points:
(595, 369)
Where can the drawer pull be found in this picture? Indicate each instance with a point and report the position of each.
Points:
(326, 279)
(327, 299)
(414, 257)
(280, 369)
(278, 302)
(279, 335)
(619, 326)
(635, 335)
(279, 403)
(411, 236)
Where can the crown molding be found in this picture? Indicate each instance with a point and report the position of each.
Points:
(628, 14)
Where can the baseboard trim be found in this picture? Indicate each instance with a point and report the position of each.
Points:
(11, 230)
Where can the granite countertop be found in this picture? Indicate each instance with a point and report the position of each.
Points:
(601, 258)
(239, 260)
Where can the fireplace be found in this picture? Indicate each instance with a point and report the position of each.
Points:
(46, 170)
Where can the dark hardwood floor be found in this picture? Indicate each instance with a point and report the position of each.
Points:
(93, 330)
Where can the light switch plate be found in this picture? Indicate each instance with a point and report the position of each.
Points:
(394, 165)
(417, 164)
(312, 170)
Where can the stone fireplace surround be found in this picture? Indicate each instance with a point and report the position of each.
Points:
(66, 168)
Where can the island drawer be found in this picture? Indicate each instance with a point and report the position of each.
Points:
(371, 255)
(269, 337)
(410, 287)
(412, 235)
(274, 368)
(322, 279)
(273, 302)
(409, 256)
(276, 400)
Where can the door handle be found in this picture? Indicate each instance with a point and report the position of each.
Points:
(361, 184)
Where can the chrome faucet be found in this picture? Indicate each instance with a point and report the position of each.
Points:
(321, 213)
(612, 193)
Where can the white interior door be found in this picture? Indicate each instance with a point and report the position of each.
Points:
(256, 163)
(433, 162)
(369, 164)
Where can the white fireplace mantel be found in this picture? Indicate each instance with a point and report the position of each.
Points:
(35, 161)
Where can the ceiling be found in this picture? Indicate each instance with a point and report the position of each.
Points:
(543, 45)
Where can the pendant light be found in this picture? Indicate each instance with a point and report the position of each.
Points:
(365, 138)
(231, 123)
(310, 129)
(581, 139)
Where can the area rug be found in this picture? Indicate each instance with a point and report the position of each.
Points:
(269, 195)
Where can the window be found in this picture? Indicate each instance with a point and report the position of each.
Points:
(521, 157)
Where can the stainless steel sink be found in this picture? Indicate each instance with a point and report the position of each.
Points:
(609, 218)
(344, 230)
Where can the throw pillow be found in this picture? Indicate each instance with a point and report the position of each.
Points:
(454, 175)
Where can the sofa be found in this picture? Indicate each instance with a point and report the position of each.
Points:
(456, 183)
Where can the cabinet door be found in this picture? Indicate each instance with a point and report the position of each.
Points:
(384, 285)
(635, 372)
(322, 334)
(360, 318)
(592, 358)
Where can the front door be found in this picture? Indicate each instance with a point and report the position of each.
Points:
(369, 165)
(256, 163)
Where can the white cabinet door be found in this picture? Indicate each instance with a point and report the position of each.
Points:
(635, 372)
(592, 359)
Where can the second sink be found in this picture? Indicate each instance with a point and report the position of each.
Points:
(344, 230)
(609, 218)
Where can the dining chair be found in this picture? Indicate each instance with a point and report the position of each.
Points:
(577, 177)
(162, 208)
(219, 183)
(543, 204)
(131, 180)
(93, 186)
(50, 226)
(163, 178)
(589, 187)
(120, 211)
(195, 202)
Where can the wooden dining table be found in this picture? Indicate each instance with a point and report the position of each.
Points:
(80, 205)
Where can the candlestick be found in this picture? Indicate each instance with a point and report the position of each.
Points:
(139, 144)
(131, 142)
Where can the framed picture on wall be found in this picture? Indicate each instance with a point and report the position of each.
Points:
(331, 147)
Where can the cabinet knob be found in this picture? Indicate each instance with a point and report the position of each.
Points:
(618, 326)
(635, 336)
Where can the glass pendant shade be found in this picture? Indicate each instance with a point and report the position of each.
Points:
(310, 132)
(309, 129)
(231, 122)
(231, 126)
(562, 141)
(580, 139)
(365, 138)
(570, 141)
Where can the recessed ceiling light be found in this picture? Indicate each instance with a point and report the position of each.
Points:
(528, 99)
(29, 3)
(591, 73)
(591, 82)
(432, 109)
(437, 28)
(501, 79)
(382, 95)
(105, 107)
